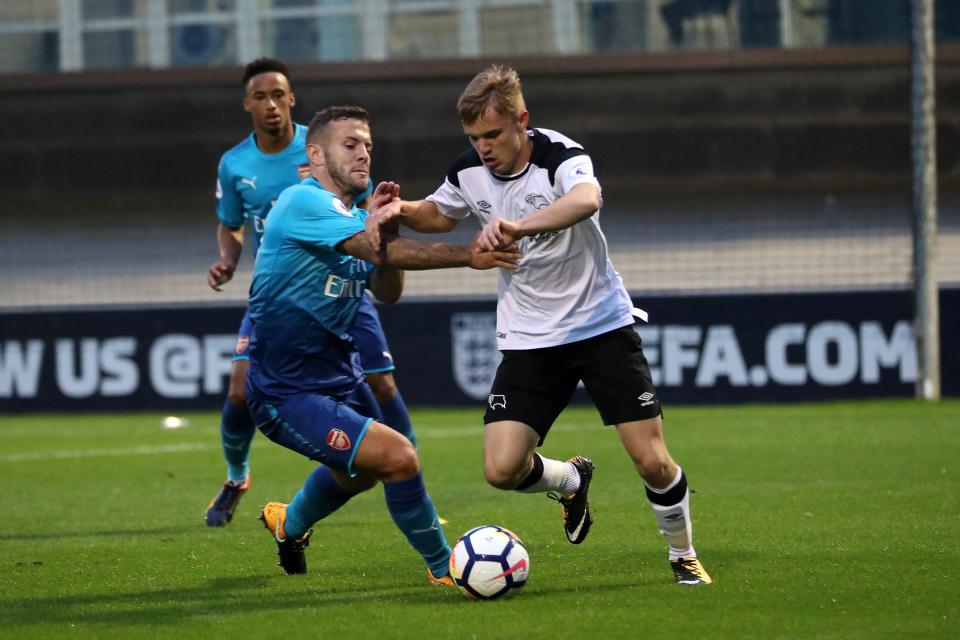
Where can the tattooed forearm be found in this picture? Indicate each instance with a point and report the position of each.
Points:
(409, 254)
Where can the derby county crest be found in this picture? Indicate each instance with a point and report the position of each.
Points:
(475, 355)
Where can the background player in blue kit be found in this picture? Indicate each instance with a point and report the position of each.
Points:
(304, 386)
(250, 178)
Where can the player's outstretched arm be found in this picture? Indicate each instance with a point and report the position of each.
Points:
(230, 244)
(407, 253)
(581, 202)
(419, 215)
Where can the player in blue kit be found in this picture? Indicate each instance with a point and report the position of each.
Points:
(304, 386)
(250, 178)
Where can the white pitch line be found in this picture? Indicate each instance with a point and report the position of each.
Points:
(99, 453)
(450, 432)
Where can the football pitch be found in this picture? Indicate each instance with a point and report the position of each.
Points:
(837, 520)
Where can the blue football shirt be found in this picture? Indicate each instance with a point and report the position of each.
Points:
(305, 295)
(250, 181)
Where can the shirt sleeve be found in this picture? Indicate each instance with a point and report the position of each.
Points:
(229, 204)
(574, 171)
(450, 201)
(321, 219)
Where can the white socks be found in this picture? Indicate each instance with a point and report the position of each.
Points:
(671, 508)
(558, 476)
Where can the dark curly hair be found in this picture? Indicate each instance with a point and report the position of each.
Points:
(264, 65)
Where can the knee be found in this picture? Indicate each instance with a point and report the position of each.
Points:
(501, 475)
(400, 463)
(237, 391)
(653, 467)
(237, 397)
(383, 385)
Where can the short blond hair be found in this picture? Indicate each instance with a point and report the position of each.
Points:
(496, 87)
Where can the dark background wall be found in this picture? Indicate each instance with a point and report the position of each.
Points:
(684, 123)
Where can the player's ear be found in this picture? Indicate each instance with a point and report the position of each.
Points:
(315, 154)
(246, 104)
(293, 99)
(523, 119)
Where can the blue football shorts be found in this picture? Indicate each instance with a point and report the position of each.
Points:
(327, 429)
(371, 342)
(241, 350)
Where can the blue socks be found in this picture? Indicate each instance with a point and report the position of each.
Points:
(412, 511)
(236, 434)
(396, 417)
(409, 504)
(320, 496)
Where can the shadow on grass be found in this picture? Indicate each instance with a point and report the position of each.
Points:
(194, 528)
(114, 532)
(226, 596)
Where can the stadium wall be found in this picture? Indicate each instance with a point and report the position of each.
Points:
(704, 349)
(684, 122)
(767, 138)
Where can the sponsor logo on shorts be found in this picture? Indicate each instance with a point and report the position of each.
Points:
(646, 397)
(242, 343)
(496, 400)
(337, 439)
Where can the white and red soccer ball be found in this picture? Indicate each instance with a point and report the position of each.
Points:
(489, 562)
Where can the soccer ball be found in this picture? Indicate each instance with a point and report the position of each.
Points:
(489, 562)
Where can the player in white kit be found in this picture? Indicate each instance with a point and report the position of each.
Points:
(563, 316)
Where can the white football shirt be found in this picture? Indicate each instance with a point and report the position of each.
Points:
(565, 288)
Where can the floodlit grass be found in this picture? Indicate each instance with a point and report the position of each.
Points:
(816, 521)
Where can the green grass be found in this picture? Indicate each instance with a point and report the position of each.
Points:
(816, 521)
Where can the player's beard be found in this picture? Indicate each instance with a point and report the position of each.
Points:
(343, 178)
(274, 130)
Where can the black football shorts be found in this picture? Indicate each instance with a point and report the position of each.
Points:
(533, 386)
